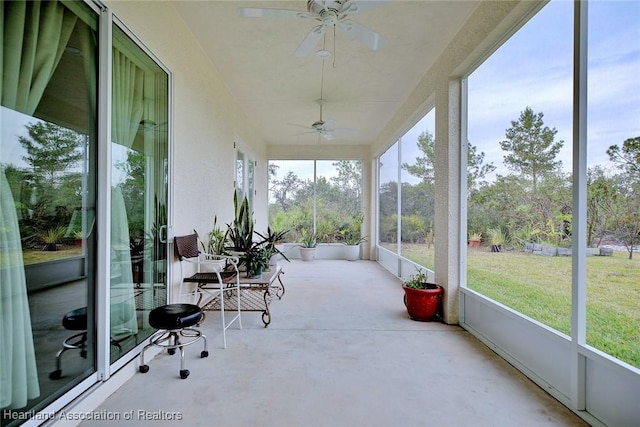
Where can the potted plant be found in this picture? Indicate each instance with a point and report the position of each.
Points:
(351, 237)
(78, 237)
(497, 238)
(258, 256)
(270, 240)
(422, 299)
(308, 247)
(217, 240)
(254, 254)
(240, 231)
(257, 260)
(52, 238)
(475, 239)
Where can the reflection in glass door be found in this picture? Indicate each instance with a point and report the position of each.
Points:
(47, 202)
(139, 182)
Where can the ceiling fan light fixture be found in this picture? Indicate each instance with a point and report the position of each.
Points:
(323, 54)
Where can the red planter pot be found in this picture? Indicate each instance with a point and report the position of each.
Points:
(423, 304)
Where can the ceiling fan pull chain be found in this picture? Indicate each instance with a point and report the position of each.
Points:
(334, 46)
(324, 44)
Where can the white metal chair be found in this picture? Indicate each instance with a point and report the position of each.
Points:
(215, 275)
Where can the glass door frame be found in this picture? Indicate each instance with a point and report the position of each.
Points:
(104, 367)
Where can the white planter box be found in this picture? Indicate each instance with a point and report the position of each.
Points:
(323, 250)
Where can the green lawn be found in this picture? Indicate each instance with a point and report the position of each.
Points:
(33, 257)
(540, 287)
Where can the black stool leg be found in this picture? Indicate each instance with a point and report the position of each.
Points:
(69, 344)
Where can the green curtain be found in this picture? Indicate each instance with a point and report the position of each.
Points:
(34, 35)
(127, 112)
(128, 102)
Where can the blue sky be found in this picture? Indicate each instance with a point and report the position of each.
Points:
(534, 68)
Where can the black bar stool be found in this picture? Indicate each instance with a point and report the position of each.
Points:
(175, 321)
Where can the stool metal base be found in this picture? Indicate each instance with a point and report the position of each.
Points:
(77, 341)
(170, 339)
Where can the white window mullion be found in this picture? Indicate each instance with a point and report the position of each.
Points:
(579, 222)
(464, 191)
(103, 264)
(399, 205)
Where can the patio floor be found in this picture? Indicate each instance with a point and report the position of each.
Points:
(340, 351)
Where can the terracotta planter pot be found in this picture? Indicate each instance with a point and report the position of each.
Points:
(474, 243)
(423, 304)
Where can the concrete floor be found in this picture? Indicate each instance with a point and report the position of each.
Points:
(340, 351)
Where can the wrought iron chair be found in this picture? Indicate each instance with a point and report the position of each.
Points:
(215, 275)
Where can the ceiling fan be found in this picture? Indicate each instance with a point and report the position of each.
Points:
(323, 128)
(330, 13)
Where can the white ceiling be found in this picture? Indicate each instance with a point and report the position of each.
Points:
(365, 88)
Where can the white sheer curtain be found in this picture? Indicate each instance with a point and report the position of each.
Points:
(128, 103)
(127, 111)
(34, 35)
(18, 372)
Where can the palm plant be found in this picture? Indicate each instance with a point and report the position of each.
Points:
(52, 237)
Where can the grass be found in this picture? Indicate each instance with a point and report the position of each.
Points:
(33, 257)
(540, 287)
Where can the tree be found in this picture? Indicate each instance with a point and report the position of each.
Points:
(625, 218)
(51, 149)
(349, 176)
(625, 214)
(284, 190)
(348, 186)
(531, 146)
(424, 165)
(476, 169)
(54, 182)
(133, 191)
(601, 191)
(628, 156)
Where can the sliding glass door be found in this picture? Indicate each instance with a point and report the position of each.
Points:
(48, 189)
(51, 289)
(139, 182)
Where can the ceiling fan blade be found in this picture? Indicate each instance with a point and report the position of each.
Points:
(345, 130)
(310, 41)
(301, 126)
(358, 6)
(356, 31)
(255, 12)
(305, 133)
(328, 124)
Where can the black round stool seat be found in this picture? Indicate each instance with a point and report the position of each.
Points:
(175, 316)
(75, 320)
